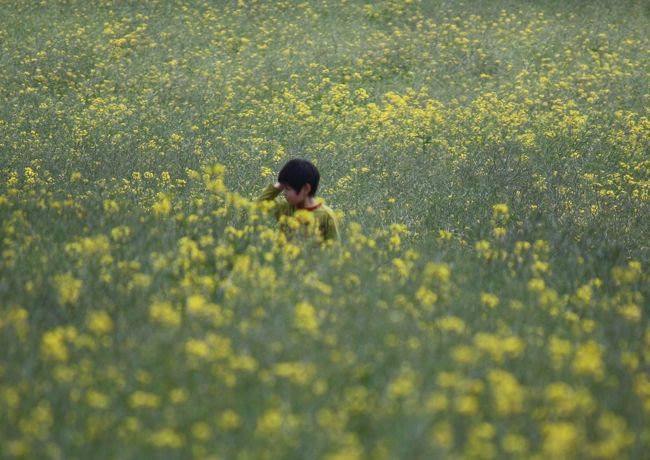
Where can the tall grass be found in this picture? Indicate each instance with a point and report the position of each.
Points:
(489, 164)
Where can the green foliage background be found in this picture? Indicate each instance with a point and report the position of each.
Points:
(490, 162)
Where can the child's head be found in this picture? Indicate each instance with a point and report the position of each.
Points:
(298, 173)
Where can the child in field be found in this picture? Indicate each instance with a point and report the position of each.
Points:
(298, 180)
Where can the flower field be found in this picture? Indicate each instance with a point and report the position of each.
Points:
(490, 166)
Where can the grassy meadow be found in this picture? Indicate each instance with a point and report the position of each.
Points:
(490, 165)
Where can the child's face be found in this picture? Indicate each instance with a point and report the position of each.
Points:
(295, 198)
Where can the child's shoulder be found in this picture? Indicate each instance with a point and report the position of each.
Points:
(326, 209)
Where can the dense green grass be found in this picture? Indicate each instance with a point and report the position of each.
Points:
(489, 162)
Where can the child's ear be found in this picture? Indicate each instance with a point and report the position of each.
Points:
(307, 188)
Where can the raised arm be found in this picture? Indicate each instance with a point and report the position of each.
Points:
(270, 192)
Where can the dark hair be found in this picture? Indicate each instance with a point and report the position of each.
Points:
(296, 173)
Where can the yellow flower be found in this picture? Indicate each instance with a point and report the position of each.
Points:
(229, 420)
(53, 345)
(164, 313)
(201, 431)
(540, 266)
(351, 449)
(269, 423)
(584, 293)
(120, 233)
(404, 384)
(162, 206)
(356, 399)
(466, 404)
(537, 285)
(498, 347)
(464, 354)
(445, 235)
(499, 232)
(588, 360)
(616, 437)
(489, 300)
(305, 318)
(560, 439)
(630, 312)
(297, 372)
(177, 396)
(479, 441)
(443, 434)
(564, 400)
(451, 324)
(196, 304)
(143, 399)
(437, 402)
(507, 393)
(68, 288)
(426, 297)
(99, 322)
(500, 210)
(437, 271)
(16, 317)
(197, 348)
(483, 249)
(558, 349)
(167, 437)
(90, 246)
(627, 275)
(401, 267)
(38, 422)
(111, 206)
(97, 400)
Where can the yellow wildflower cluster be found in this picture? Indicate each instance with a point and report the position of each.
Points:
(489, 295)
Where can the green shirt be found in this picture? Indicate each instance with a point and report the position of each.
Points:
(322, 215)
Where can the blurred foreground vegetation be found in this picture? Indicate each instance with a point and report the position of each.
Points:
(490, 164)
